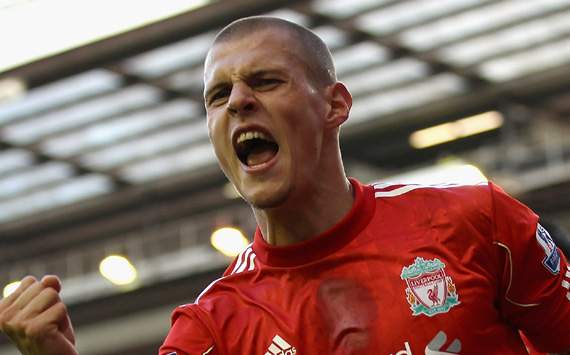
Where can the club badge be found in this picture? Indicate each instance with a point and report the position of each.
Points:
(430, 291)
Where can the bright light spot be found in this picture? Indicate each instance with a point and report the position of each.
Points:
(118, 270)
(448, 173)
(11, 89)
(10, 288)
(229, 241)
(470, 174)
(450, 131)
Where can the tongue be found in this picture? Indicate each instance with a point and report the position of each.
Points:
(260, 155)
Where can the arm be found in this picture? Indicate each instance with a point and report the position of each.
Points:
(534, 295)
(562, 240)
(36, 320)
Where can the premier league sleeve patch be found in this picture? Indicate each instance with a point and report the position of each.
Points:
(552, 259)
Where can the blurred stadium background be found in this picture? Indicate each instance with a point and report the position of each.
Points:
(104, 149)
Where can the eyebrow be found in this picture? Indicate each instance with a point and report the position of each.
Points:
(253, 74)
(209, 92)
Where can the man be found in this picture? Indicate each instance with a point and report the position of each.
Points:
(338, 267)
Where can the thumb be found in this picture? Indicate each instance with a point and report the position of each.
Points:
(66, 328)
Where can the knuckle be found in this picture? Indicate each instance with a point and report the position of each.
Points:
(33, 330)
(8, 315)
(4, 320)
(4, 317)
(13, 327)
(49, 293)
(61, 308)
(28, 280)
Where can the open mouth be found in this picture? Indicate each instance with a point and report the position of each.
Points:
(255, 148)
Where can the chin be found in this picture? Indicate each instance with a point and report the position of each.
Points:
(266, 203)
(264, 200)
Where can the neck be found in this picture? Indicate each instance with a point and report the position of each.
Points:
(310, 211)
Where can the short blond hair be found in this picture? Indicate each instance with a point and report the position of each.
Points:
(316, 54)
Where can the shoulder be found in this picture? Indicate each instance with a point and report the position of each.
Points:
(190, 333)
(474, 195)
(392, 189)
(235, 277)
(468, 208)
(220, 296)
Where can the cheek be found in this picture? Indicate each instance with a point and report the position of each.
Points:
(304, 150)
(219, 139)
(217, 129)
(308, 135)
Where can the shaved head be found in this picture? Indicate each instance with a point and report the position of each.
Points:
(311, 49)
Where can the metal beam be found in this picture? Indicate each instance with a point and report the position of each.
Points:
(137, 41)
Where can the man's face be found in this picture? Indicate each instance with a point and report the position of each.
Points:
(265, 116)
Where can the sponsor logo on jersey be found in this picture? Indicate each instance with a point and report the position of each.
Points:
(552, 259)
(436, 346)
(280, 347)
(430, 291)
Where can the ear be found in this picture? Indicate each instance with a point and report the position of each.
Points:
(340, 103)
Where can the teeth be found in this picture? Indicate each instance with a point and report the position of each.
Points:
(252, 135)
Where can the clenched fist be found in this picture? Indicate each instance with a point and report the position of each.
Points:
(36, 320)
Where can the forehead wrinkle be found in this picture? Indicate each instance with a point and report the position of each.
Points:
(216, 72)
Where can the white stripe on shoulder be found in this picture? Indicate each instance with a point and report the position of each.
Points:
(241, 258)
(246, 259)
(207, 288)
(239, 261)
(251, 262)
(382, 184)
(407, 188)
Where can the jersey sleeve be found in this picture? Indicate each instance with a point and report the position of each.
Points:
(535, 276)
(188, 335)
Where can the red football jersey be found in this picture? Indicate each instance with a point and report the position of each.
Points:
(410, 269)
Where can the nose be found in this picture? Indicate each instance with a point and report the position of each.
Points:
(241, 100)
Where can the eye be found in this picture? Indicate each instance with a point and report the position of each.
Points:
(265, 83)
(219, 96)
